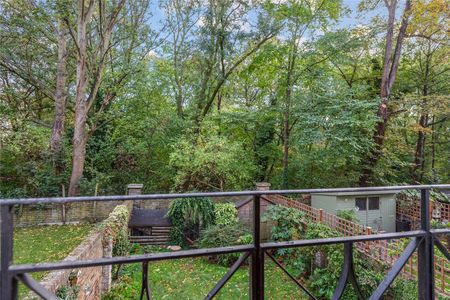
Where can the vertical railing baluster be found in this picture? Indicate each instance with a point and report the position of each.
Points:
(145, 289)
(425, 252)
(8, 285)
(257, 266)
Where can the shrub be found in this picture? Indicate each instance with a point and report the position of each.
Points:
(349, 215)
(189, 216)
(222, 236)
(291, 222)
(225, 214)
(210, 162)
(115, 227)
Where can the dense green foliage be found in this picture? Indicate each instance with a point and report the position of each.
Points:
(290, 222)
(321, 266)
(217, 95)
(225, 214)
(115, 229)
(189, 216)
(222, 236)
(349, 215)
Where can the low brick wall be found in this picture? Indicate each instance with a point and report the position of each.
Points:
(90, 283)
(85, 212)
(49, 214)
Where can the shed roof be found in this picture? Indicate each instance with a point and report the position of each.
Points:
(368, 193)
(148, 217)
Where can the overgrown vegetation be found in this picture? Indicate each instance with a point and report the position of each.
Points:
(290, 222)
(320, 267)
(349, 215)
(225, 214)
(296, 95)
(189, 216)
(115, 229)
(222, 236)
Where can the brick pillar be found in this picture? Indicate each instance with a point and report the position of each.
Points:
(262, 186)
(135, 189)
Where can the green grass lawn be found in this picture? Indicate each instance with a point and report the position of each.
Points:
(46, 244)
(193, 278)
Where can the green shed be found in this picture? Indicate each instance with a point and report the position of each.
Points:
(373, 209)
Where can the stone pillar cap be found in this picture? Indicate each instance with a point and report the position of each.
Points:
(135, 186)
(262, 186)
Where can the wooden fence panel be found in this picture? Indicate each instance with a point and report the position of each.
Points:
(383, 251)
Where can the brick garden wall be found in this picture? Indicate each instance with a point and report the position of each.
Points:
(30, 215)
(91, 282)
(87, 280)
(91, 212)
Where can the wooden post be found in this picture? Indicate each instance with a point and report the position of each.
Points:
(63, 206)
(320, 215)
(369, 232)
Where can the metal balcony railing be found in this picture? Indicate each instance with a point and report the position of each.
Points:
(422, 241)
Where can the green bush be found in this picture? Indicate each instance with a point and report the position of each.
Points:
(349, 215)
(209, 162)
(290, 222)
(115, 227)
(222, 236)
(189, 216)
(225, 214)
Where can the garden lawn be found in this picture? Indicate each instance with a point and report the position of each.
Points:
(193, 278)
(46, 244)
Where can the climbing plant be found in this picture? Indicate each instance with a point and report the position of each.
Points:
(189, 216)
(225, 214)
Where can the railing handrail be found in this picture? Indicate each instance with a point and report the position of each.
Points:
(423, 240)
(43, 200)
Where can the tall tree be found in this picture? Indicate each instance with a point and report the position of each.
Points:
(97, 53)
(60, 96)
(298, 17)
(390, 66)
(44, 37)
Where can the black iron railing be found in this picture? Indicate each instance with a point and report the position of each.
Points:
(422, 240)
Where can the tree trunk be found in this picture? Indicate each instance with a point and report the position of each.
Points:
(286, 123)
(286, 137)
(419, 154)
(60, 99)
(390, 67)
(81, 104)
(433, 148)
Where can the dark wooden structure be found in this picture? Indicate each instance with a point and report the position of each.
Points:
(149, 226)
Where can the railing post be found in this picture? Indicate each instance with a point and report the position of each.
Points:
(8, 285)
(257, 265)
(425, 252)
(320, 215)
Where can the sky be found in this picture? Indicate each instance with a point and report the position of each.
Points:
(355, 18)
